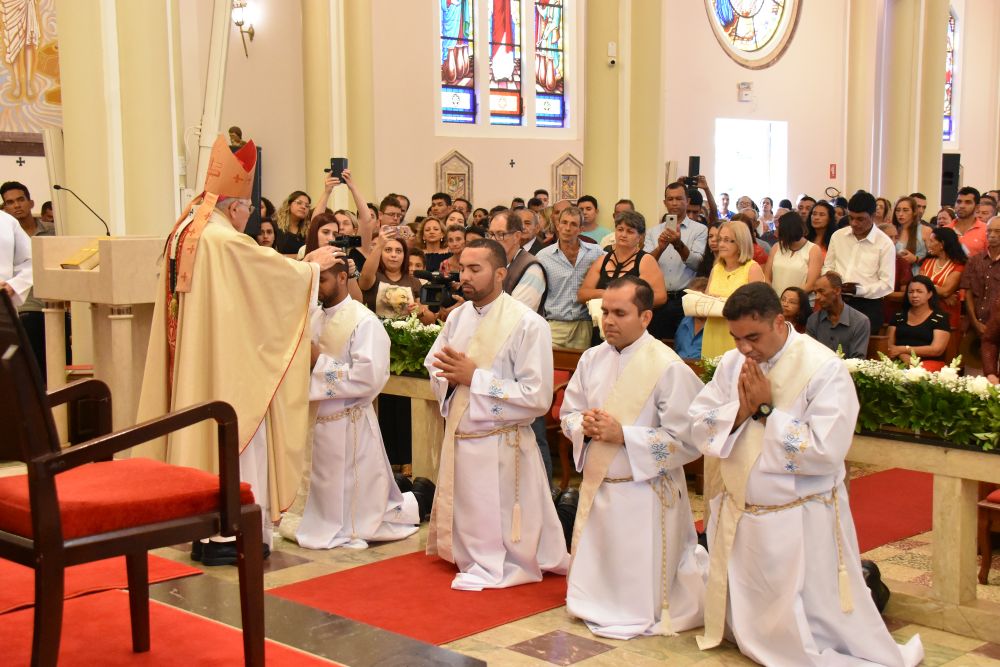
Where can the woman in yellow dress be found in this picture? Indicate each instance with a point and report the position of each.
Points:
(734, 267)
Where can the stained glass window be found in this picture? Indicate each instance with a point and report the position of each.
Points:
(550, 79)
(949, 79)
(458, 82)
(505, 47)
(505, 63)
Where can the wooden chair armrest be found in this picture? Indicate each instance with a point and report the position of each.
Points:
(89, 388)
(105, 446)
(97, 394)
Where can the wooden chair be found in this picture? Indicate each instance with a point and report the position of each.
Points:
(77, 505)
(989, 522)
(877, 344)
(564, 361)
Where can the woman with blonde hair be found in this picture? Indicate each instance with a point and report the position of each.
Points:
(734, 267)
(292, 220)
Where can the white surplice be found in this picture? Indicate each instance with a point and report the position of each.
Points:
(353, 497)
(784, 603)
(616, 582)
(514, 391)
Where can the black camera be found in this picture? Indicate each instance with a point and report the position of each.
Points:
(437, 292)
(345, 241)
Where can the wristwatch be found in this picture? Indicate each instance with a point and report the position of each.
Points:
(355, 275)
(763, 411)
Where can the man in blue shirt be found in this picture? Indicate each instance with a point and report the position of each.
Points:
(678, 252)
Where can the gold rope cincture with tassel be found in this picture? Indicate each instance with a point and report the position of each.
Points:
(354, 414)
(511, 436)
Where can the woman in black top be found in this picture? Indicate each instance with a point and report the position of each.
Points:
(292, 220)
(921, 328)
(626, 258)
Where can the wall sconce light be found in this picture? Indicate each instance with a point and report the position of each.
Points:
(240, 18)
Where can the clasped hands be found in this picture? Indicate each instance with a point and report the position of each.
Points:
(599, 425)
(754, 390)
(454, 366)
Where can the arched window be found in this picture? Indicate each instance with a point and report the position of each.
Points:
(508, 51)
(949, 79)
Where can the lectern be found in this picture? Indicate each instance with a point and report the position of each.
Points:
(120, 291)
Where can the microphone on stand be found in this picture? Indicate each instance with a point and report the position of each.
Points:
(106, 230)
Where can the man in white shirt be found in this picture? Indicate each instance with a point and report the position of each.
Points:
(865, 258)
(15, 259)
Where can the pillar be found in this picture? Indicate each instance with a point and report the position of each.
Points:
(333, 33)
(933, 41)
(645, 110)
(861, 74)
(54, 313)
(602, 104)
(119, 124)
(898, 164)
(359, 88)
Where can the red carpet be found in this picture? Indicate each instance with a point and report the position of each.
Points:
(96, 631)
(18, 589)
(411, 595)
(891, 505)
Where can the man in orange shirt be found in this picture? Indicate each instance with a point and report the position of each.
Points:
(971, 231)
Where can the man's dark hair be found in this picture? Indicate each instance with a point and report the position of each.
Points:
(586, 198)
(467, 202)
(496, 209)
(512, 223)
(806, 198)
(919, 195)
(397, 195)
(477, 230)
(14, 185)
(834, 278)
(791, 229)
(498, 256)
(988, 198)
(967, 190)
(515, 200)
(785, 203)
(675, 186)
(541, 191)
(390, 200)
(694, 197)
(47, 206)
(625, 201)
(534, 201)
(860, 202)
(442, 195)
(643, 296)
(756, 300)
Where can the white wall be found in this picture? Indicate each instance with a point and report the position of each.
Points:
(406, 95)
(263, 93)
(805, 88)
(977, 79)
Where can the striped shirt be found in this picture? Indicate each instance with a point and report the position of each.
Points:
(565, 279)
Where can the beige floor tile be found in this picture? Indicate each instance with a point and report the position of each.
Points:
(948, 639)
(972, 660)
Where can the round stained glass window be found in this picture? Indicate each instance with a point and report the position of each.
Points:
(754, 33)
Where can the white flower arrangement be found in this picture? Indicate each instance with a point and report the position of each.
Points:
(410, 341)
(962, 410)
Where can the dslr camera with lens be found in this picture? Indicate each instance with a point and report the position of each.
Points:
(438, 292)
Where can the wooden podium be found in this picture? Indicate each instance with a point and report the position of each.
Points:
(120, 291)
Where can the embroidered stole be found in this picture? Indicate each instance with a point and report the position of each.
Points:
(490, 336)
(628, 396)
(789, 378)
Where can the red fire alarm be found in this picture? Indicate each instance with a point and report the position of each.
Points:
(833, 170)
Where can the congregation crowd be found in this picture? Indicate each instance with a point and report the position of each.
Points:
(922, 285)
